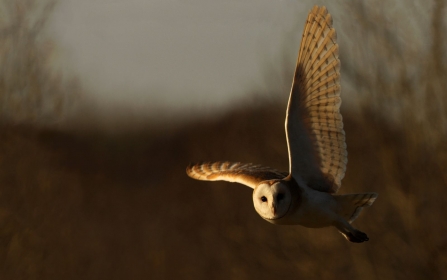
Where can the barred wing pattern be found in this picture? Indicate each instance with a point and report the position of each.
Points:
(314, 126)
(244, 173)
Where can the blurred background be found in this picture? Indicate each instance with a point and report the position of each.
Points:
(104, 103)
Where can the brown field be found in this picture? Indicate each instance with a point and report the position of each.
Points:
(96, 206)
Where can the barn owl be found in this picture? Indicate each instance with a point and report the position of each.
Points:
(306, 195)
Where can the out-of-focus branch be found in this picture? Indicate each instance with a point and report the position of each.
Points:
(30, 90)
(438, 32)
(395, 58)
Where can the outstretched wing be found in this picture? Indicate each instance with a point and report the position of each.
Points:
(244, 173)
(314, 126)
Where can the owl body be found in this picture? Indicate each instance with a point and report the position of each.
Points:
(317, 209)
(306, 195)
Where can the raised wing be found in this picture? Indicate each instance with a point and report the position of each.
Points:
(244, 173)
(314, 126)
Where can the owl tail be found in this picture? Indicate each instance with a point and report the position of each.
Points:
(350, 205)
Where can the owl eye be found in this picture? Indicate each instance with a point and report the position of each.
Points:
(263, 199)
(280, 196)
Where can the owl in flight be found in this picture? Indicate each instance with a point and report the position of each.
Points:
(316, 144)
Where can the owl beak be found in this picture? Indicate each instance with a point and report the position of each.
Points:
(274, 209)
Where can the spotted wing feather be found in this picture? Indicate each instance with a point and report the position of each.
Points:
(314, 125)
(244, 173)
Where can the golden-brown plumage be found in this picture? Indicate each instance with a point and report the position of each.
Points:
(315, 100)
(243, 173)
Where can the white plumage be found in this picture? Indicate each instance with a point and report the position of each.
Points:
(316, 144)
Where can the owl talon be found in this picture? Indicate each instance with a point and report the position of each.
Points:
(357, 236)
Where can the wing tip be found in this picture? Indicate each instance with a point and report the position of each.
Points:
(204, 169)
(190, 169)
(323, 12)
(195, 169)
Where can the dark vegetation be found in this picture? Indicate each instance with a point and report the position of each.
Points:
(91, 205)
(99, 207)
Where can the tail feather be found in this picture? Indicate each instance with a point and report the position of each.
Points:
(350, 205)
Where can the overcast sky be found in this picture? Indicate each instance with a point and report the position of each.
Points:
(176, 53)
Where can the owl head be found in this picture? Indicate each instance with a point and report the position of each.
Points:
(272, 199)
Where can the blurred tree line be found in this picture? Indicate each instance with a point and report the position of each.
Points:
(396, 63)
(31, 91)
